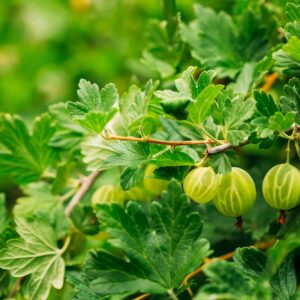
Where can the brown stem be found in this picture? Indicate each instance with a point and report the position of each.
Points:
(281, 218)
(160, 142)
(239, 223)
(85, 186)
(270, 80)
(224, 147)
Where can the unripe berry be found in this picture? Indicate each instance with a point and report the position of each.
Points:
(281, 187)
(236, 193)
(136, 194)
(153, 185)
(108, 194)
(201, 184)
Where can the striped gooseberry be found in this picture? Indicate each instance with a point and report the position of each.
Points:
(153, 185)
(236, 194)
(281, 188)
(108, 194)
(201, 184)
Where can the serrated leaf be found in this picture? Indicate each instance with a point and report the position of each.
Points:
(131, 177)
(155, 251)
(226, 282)
(134, 105)
(96, 108)
(221, 162)
(201, 108)
(103, 154)
(284, 282)
(188, 88)
(27, 157)
(85, 220)
(265, 103)
(36, 254)
(38, 201)
(291, 99)
(262, 127)
(288, 59)
(250, 261)
(281, 122)
(81, 286)
(222, 45)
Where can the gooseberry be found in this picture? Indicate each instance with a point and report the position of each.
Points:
(107, 194)
(281, 188)
(153, 185)
(236, 194)
(201, 184)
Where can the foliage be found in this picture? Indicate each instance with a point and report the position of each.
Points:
(87, 218)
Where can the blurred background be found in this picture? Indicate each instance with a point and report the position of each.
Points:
(47, 46)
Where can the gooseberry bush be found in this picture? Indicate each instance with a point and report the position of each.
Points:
(135, 196)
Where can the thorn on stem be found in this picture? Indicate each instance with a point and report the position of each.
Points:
(281, 218)
(239, 223)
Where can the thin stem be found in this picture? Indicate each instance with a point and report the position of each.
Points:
(270, 80)
(168, 148)
(169, 7)
(160, 142)
(85, 186)
(288, 151)
(210, 136)
(172, 294)
(66, 244)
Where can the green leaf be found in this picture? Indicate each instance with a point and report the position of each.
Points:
(134, 105)
(281, 122)
(232, 112)
(262, 127)
(131, 177)
(35, 253)
(81, 286)
(284, 282)
(27, 157)
(201, 108)
(155, 250)
(188, 88)
(288, 59)
(221, 162)
(38, 201)
(265, 103)
(250, 261)
(85, 220)
(164, 68)
(103, 154)
(226, 282)
(96, 108)
(222, 45)
(291, 99)
(3, 212)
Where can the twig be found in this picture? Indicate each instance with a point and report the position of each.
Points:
(160, 142)
(224, 147)
(87, 183)
(16, 288)
(270, 80)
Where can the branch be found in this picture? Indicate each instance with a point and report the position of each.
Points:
(270, 80)
(224, 147)
(160, 142)
(85, 186)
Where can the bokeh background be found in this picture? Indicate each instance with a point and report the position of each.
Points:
(47, 46)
